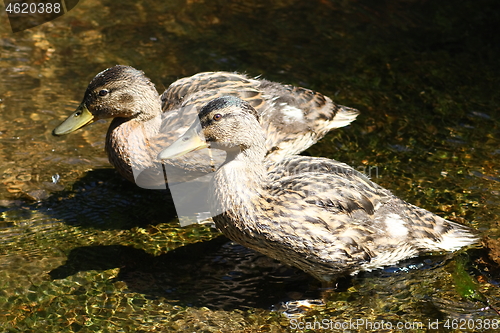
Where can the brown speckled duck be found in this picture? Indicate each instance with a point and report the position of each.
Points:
(317, 214)
(292, 118)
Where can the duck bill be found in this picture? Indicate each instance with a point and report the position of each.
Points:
(190, 141)
(76, 120)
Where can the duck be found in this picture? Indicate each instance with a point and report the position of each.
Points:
(317, 214)
(293, 118)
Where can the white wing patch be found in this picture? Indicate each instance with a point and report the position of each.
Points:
(291, 113)
(396, 226)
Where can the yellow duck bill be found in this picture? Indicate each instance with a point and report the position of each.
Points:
(76, 120)
(190, 141)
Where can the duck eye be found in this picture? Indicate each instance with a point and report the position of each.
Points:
(103, 92)
(217, 117)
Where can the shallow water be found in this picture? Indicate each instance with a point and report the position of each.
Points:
(81, 250)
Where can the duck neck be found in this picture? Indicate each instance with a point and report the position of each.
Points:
(128, 144)
(146, 111)
(150, 107)
(240, 180)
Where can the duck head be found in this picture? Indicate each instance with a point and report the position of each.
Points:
(119, 91)
(227, 123)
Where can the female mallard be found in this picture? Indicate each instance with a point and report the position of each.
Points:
(317, 214)
(292, 118)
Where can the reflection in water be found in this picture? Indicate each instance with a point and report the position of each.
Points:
(215, 274)
(423, 74)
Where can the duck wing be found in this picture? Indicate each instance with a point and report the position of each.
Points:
(343, 222)
(293, 118)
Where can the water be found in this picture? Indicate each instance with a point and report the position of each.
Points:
(81, 250)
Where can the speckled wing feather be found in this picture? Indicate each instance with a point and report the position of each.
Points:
(305, 115)
(177, 93)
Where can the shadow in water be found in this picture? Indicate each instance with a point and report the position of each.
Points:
(102, 199)
(217, 274)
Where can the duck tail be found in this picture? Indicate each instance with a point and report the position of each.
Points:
(459, 236)
(444, 235)
(343, 116)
